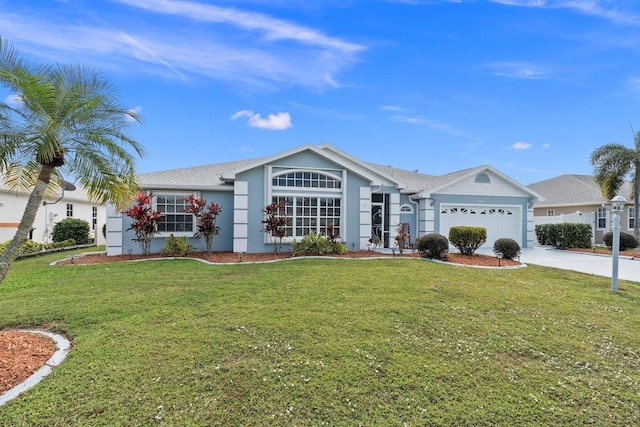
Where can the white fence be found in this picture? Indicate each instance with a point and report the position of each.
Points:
(577, 217)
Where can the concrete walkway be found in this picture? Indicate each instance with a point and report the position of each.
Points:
(600, 265)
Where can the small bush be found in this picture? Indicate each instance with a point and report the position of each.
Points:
(177, 246)
(317, 244)
(509, 248)
(432, 245)
(71, 228)
(467, 239)
(627, 241)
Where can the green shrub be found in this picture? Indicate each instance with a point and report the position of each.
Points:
(564, 235)
(509, 248)
(432, 245)
(31, 247)
(317, 244)
(177, 246)
(467, 239)
(71, 228)
(627, 241)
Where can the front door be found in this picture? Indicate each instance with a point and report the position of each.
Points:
(380, 218)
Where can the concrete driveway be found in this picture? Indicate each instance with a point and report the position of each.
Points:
(600, 265)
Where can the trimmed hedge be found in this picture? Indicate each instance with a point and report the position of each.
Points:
(432, 245)
(467, 239)
(509, 248)
(71, 228)
(564, 235)
(627, 241)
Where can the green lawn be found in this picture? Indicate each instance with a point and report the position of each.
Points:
(327, 342)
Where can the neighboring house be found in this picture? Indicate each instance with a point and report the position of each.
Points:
(74, 204)
(323, 186)
(577, 198)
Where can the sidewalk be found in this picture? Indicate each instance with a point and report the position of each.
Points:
(600, 265)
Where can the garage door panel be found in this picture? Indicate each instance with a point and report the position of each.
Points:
(499, 221)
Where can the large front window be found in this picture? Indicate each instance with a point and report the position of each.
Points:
(173, 219)
(309, 214)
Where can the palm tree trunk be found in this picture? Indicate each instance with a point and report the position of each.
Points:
(28, 218)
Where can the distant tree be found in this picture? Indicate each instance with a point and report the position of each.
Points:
(206, 216)
(66, 121)
(612, 165)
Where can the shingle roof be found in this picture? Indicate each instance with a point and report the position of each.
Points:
(572, 189)
(206, 176)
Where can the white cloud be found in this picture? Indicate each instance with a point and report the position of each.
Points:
(521, 146)
(13, 100)
(134, 111)
(391, 108)
(546, 145)
(610, 10)
(279, 121)
(216, 42)
(519, 70)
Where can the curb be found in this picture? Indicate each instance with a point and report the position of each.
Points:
(63, 346)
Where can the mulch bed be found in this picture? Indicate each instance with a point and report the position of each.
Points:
(21, 354)
(230, 258)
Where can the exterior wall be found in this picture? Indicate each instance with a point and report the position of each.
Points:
(12, 207)
(497, 187)
(221, 242)
(258, 196)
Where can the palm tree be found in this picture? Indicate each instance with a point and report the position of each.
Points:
(66, 122)
(612, 164)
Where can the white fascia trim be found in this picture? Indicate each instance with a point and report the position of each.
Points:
(328, 147)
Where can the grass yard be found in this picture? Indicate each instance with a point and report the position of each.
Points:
(386, 342)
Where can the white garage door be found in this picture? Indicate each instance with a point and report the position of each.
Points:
(500, 221)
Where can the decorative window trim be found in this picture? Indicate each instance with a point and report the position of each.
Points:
(631, 217)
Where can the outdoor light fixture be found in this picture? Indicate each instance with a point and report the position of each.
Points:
(65, 186)
(617, 206)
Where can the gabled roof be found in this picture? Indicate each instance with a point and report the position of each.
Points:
(326, 151)
(219, 176)
(573, 190)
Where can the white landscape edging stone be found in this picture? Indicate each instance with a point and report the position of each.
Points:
(63, 346)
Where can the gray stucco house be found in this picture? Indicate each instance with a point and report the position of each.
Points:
(322, 186)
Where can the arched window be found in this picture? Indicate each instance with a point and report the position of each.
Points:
(406, 209)
(482, 178)
(305, 179)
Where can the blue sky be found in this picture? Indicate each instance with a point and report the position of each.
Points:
(530, 87)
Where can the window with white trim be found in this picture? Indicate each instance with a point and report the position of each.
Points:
(309, 214)
(69, 210)
(551, 212)
(631, 215)
(313, 200)
(602, 218)
(174, 219)
(406, 209)
(305, 179)
(94, 217)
